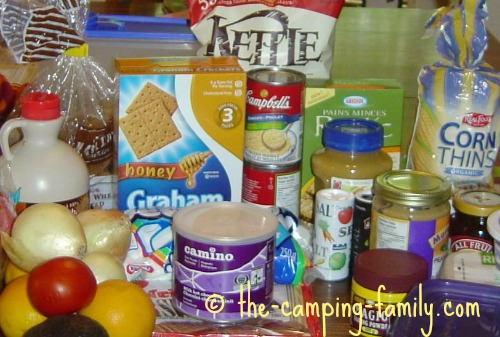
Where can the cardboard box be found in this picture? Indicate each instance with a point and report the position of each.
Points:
(380, 100)
(181, 131)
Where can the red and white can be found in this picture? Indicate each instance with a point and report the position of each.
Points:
(333, 214)
(274, 115)
(272, 185)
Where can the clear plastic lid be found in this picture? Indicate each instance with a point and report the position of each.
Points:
(353, 135)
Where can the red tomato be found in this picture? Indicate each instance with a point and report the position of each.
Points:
(62, 285)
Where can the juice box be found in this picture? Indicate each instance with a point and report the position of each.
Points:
(380, 100)
(180, 131)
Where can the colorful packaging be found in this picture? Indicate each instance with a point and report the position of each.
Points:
(380, 100)
(181, 128)
(457, 130)
(150, 256)
(296, 34)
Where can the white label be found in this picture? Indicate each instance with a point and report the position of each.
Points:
(287, 196)
(349, 184)
(332, 233)
(102, 192)
(392, 233)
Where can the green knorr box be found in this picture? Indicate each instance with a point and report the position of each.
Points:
(379, 100)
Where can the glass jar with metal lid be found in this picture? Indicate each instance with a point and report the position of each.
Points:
(411, 211)
(468, 223)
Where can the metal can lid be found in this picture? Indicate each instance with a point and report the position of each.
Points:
(276, 76)
(225, 222)
(364, 195)
(412, 188)
(476, 202)
(397, 270)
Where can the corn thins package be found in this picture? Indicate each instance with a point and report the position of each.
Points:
(457, 129)
(295, 34)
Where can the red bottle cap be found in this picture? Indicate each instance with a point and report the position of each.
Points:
(41, 106)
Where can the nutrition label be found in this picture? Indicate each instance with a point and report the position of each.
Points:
(392, 233)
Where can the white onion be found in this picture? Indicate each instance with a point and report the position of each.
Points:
(105, 266)
(107, 231)
(44, 231)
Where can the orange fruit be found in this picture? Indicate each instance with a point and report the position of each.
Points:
(12, 271)
(17, 314)
(122, 308)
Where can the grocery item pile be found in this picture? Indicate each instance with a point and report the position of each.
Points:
(206, 194)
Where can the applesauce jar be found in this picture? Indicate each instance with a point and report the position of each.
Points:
(411, 211)
(352, 155)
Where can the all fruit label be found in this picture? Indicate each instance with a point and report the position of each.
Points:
(332, 233)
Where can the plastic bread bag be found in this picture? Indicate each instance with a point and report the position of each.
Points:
(457, 130)
(48, 33)
(296, 34)
(36, 30)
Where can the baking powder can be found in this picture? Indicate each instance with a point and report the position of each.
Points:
(361, 222)
(333, 217)
(274, 115)
(223, 260)
(272, 185)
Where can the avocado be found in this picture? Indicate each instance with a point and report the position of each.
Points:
(72, 325)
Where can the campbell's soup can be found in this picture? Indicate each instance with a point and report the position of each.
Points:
(223, 256)
(333, 215)
(274, 115)
(272, 185)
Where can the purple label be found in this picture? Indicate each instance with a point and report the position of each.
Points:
(225, 273)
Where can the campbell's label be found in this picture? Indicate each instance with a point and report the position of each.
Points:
(274, 116)
(263, 102)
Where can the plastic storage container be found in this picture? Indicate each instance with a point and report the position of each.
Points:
(457, 298)
(44, 168)
(124, 36)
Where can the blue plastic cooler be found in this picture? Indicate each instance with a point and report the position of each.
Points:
(123, 36)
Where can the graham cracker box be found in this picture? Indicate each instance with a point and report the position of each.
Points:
(380, 100)
(180, 131)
